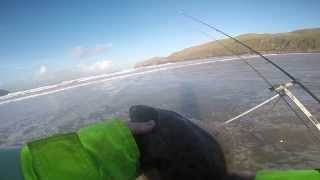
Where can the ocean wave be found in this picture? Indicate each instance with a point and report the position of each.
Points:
(71, 84)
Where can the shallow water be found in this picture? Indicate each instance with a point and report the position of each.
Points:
(207, 91)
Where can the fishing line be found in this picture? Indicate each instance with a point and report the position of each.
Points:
(240, 57)
(256, 70)
(294, 80)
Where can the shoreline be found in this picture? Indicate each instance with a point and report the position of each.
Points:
(124, 74)
(196, 59)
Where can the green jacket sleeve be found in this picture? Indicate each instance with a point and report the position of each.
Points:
(101, 151)
(288, 175)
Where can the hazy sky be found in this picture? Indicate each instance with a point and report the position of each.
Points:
(42, 40)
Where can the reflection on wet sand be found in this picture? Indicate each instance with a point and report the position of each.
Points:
(210, 94)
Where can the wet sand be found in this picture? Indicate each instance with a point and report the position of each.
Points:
(209, 94)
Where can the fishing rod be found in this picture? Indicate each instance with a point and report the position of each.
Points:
(293, 79)
(281, 90)
(240, 57)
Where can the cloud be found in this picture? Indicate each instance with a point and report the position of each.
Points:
(45, 75)
(82, 52)
(100, 66)
(42, 70)
(42, 73)
(103, 47)
(79, 52)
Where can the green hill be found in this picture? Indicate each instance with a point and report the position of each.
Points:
(305, 40)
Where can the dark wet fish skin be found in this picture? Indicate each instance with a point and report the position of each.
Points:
(177, 148)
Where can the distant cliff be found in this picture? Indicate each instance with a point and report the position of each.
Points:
(305, 40)
(3, 92)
